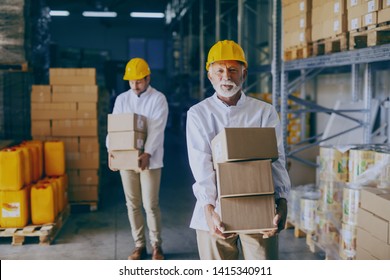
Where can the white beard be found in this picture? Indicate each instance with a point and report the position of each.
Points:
(227, 93)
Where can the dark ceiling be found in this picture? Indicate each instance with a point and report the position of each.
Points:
(121, 7)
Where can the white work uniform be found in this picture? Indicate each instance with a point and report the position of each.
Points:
(204, 121)
(142, 188)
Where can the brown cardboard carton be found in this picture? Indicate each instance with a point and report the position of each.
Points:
(233, 144)
(124, 160)
(75, 93)
(40, 128)
(83, 193)
(376, 201)
(250, 214)
(41, 93)
(245, 178)
(377, 226)
(384, 15)
(72, 76)
(83, 176)
(362, 254)
(126, 122)
(370, 19)
(82, 160)
(81, 127)
(126, 140)
(89, 144)
(385, 4)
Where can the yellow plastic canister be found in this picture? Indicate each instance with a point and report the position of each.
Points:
(28, 164)
(62, 187)
(39, 145)
(11, 170)
(42, 204)
(56, 192)
(54, 155)
(14, 207)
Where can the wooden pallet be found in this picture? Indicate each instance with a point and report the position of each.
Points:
(298, 52)
(45, 233)
(373, 35)
(337, 43)
(83, 206)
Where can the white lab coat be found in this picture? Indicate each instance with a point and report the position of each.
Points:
(153, 105)
(204, 121)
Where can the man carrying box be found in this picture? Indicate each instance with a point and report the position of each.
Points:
(141, 187)
(230, 107)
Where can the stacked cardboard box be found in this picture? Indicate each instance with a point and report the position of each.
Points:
(242, 158)
(296, 23)
(329, 19)
(126, 138)
(67, 110)
(373, 232)
(363, 13)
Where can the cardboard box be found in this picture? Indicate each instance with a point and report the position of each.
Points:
(87, 127)
(233, 144)
(83, 176)
(124, 160)
(40, 128)
(354, 3)
(376, 201)
(88, 144)
(373, 6)
(250, 214)
(384, 15)
(385, 4)
(41, 93)
(126, 140)
(375, 225)
(72, 76)
(82, 160)
(75, 93)
(362, 254)
(377, 248)
(126, 122)
(83, 193)
(371, 18)
(245, 178)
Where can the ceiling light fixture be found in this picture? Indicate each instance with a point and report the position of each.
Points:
(146, 15)
(59, 13)
(99, 14)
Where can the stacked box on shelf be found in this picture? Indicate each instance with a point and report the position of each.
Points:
(67, 110)
(244, 178)
(126, 139)
(329, 19)
(297, 27)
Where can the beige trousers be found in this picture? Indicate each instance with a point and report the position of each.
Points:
(142, 189)
(253, 246)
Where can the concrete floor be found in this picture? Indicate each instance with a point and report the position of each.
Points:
(105, 234)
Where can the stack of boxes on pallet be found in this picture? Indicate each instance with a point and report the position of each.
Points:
(242, 159)
(343, 175)
(66, 110)
(33, 183)
(316, 27)
(364, 20)
(126, 139)
(296, 28)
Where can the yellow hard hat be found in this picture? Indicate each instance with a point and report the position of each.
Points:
(225, 50)
(136, 69)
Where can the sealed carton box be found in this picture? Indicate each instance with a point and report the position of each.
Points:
(83, 193)
(245, 143)
(377, 226)
(376, 201)
(245, 178)
(126, 122)
(248, 213)
(124, 160)
(126, 140)
(41, 93)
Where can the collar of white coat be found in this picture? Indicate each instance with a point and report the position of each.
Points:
(146, 92)
(223, 104)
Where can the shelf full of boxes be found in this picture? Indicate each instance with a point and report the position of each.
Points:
(314, 27)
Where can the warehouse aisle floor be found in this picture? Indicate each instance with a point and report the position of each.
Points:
(105, 234)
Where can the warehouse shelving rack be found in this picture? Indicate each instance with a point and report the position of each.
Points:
(368, 59)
